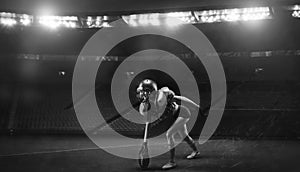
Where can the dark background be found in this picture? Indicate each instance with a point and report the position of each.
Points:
(34, 95)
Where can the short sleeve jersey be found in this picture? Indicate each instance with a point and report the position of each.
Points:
(181, 111)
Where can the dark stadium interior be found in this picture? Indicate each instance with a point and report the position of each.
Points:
(260, 128)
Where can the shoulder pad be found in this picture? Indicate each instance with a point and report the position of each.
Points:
(168, 92)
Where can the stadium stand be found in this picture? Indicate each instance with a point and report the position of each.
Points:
(41, 109)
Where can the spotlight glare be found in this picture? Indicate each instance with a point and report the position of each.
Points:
(296, 14)
(296, 7)
(171, 22)
(106, 24)
(26, 19)
(8, 21)
(95, 21)
(231, 15)
(57, 21)
(156, 19)
(25, 22)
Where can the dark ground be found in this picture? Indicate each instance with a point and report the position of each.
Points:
(78, 153)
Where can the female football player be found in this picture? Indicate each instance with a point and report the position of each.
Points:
(164, 100)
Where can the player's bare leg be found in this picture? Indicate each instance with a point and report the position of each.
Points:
(183, 132)
(176, 127)
(171, 144)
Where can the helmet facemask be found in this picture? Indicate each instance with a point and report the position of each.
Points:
(147, 90)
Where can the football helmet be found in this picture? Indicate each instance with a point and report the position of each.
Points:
(145, 88)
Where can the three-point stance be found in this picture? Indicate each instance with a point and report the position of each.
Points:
(164, 100)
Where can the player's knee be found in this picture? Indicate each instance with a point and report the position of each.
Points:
(171, 142)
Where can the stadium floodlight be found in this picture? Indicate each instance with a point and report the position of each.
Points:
(231, 15)
(26, 19)
(296, 11)
(296, 7)
(156, 19)
(96, 21)
(106, 24)
(296, 14)
(11, 19)
(186, 16)
(57, 21)
(8, 19)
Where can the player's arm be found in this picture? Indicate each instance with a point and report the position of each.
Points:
(186, 100)
(143, 109)
(190, 102)
(162, 98)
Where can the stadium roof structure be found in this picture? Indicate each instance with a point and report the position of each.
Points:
(117, 7)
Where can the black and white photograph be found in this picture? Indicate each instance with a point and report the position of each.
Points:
(149, 85)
